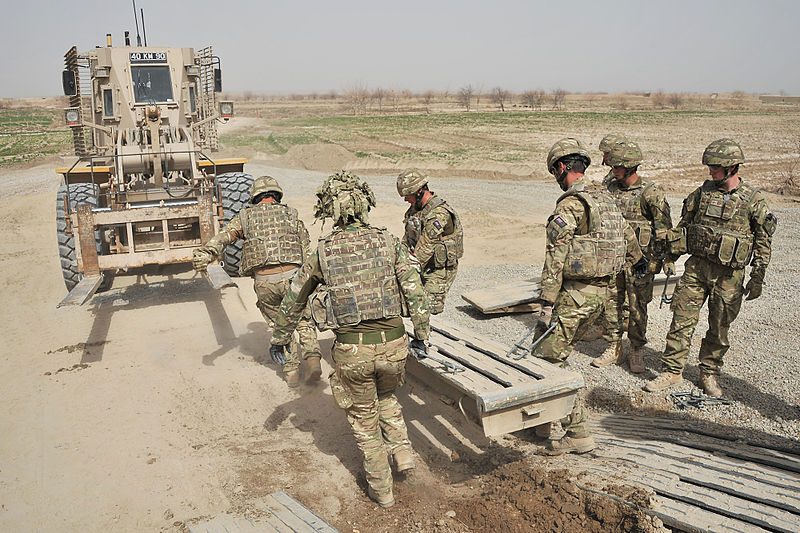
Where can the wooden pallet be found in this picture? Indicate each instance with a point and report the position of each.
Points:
(500, 394)
(522, 296)
(701, 482)
(284, 515)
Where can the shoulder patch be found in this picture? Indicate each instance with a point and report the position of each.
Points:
(437, 225)
(560, 221)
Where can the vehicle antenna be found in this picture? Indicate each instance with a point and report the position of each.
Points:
(136, 19)
(144, 30)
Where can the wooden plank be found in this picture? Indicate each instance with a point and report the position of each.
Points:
(629, 428)
(237, 524)
(668, 484)
(217, 277)
(82, 291)
(296, 515)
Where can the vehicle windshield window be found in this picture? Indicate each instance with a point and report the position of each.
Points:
(151, 84)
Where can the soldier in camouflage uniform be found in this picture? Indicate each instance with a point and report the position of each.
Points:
(588, 242)
(276, 243)
(645, 207)
(369, 277)
(606, 143)
(725, 224)
(433, 234)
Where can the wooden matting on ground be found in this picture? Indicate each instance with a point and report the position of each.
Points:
(285, 515)
(702, 482)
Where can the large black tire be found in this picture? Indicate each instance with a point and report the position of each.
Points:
(234, 190)
(80, 193)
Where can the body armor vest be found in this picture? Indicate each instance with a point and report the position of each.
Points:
(452, 240)
(601, 251)
(358, 269)
(720, 228)
(629, 202)
(271, 237)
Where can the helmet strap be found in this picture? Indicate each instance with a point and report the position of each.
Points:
(562, 179)
(418, 198)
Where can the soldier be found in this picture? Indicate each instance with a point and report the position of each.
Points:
(276, 243)
(645, 207)
(433, 234)
(725, 224)
(605, 147)
(368, 274)
(588, 242)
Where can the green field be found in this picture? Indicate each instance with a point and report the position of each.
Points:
(29, 134)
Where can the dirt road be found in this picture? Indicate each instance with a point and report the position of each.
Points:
(154, 406)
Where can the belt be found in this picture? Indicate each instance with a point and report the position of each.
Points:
(372, 337)
(599, 287)
(275, 277)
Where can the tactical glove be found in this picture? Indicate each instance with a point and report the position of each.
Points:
(418, 348)
(545, 316)
(753, 289)
(669, 268)
(201, 258)
(640, 268)
(276, 352)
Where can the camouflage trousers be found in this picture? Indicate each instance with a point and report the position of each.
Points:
(576, 307)
(702, 280)
(363, 384)
(436, 284)
(270, 294)
(639, 293)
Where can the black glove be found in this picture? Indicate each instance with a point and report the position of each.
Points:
(276, 351)
(418, 348)
(753, 289)
(640, 268)
(545, 316)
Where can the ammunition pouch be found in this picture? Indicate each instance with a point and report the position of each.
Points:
(719, 246)
(676, 242)
(321, 313)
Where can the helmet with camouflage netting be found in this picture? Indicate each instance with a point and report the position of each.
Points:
(410, 181)
(567, 147)
(609, 141)
(344, 196)
(265, 184)
(625, 154)
(723, 152)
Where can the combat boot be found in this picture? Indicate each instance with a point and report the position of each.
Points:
(709, 384)
(570, 445)
(292, 378)
(313, 368)
(403, 460)
(662, 381)
(612, 356)
(385, 499)
(635, 360)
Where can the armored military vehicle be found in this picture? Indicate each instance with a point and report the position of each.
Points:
(145, 188)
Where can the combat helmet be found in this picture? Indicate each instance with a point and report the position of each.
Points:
(344, 196)
(625, 154)
(265, 184)
(723, 152)
(567, 147)
(609, 141)
(410, 181)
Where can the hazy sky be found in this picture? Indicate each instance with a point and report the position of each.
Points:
(279, 47)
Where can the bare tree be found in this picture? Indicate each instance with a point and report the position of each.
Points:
(478, 95)
(378, 95)
(499, 97)
(622, 102)
(558, 96)
(427, 97)
(357, 97)
(659, 99)
(791, 183)
(533, 99)
(465, 96)
(675, 100)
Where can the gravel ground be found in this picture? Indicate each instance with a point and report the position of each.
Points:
(762, 368)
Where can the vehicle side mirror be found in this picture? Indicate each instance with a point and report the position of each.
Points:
(217, 80)
(68, 82)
